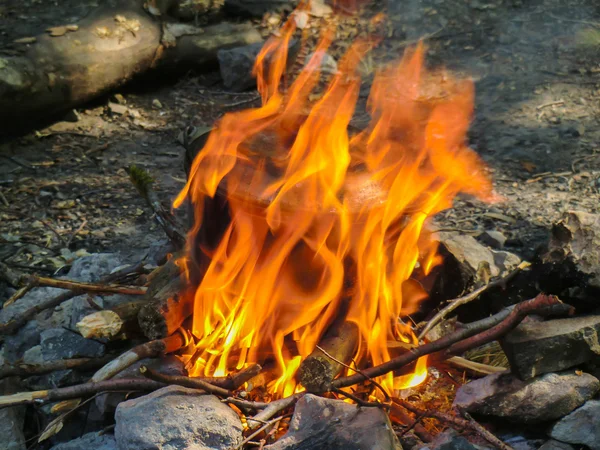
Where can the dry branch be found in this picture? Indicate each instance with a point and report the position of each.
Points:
(111, 323)
(113, 44)
(318, 369)
(272, 409)
(17, 322)
(26, 370)
(193, 383)
(167, 305)
(150, 349)
(542, 304)
(86, 287)
(80, 390)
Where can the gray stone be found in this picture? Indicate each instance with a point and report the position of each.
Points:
(58, 343)
(175, 417)
(493, 238)
(29, 300)
(535, 348)
(81, 307)
(167, 365)
(450, 440)
(91, 268)
(11, 421)
(548, 397)
(323, 424)
(89, 441)
(16, 345)
(257, 8)
(555, 445)
(468, 263)
(582, 426)
(235, 65)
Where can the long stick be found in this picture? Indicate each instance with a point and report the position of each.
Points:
(272, 409)
(17, 322)
(26, 370)
(513, 318)
(194, 383)
(87, 287)
(80, 390)
(455, 303)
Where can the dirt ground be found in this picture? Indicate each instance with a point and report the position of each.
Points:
(65, 187)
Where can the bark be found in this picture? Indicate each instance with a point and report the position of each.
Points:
(167, 306)
(318, 370)
(115, 43)
(112, 323)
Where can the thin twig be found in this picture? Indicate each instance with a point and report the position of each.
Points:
(272, 409)
(375, 383)
(455, 303)
(455, 421)
(246, 404)
(87, 287)
(546, 105)
(56, 233)
(76, 232)
(359, 401)
(193, 383)
(261, 429)
(542, 304)
(26, 370)
(474, 367)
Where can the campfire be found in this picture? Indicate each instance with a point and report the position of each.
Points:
(327, 226)
(313, 302)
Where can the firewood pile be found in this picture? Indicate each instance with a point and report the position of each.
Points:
(109, 356)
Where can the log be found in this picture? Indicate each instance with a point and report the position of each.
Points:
(115, 43)
(167, 306)
(318, 370)
(111, 323)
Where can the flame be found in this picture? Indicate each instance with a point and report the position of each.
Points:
(309, 205)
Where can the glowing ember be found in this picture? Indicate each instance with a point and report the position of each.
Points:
(309, 205)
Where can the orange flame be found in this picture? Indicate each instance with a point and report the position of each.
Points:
(307, 201)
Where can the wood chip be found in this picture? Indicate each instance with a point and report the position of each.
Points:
(25, 40)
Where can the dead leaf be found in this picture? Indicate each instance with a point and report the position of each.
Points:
(53, 427)
(103, 32)
(57, 31)
(528, 166)
(25, 40)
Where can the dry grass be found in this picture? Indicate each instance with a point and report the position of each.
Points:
(490, 354)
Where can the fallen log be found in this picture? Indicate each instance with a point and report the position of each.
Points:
(318, 370)
(115, 43)
(111, 323)
(167, 306)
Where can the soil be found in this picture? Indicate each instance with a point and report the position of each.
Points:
(65, 186)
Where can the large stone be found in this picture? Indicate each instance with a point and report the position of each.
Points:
(535, 348)
(257, 8)
(177, 418)
(450, 440)
(545, 398)
(235, 65)
(468, 263)
(323, 424)
(167, 365)
(58, 343)
(89, 441)
(91, 268)
(582, 426)
(16, 345)
(555, 445)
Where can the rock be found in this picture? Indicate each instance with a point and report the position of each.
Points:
(493, 238)
(58, 343)
(548, 397)
(582, 426)
(535, 348)
(81, 307)
(555, 445)
(235, 64)
(16, 345)
(157, 104)
(570, 267)
(257, 8)
(91, 441)
(323, 424)
(11, 421)
(167, 365)
(328, 63)
(175, 417)
(450, 440)
(29, 300)
(91, 268)
(116, 109)
(468, 263)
